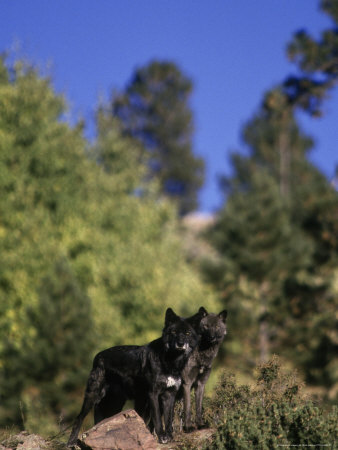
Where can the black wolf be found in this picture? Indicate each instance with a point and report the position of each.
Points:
(211, 329)
(149, 374)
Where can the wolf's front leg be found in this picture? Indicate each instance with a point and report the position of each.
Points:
(156, 417)
(188, 426)
(199, 393)
(168, 405)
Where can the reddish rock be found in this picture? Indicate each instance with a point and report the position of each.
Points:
(124, 431)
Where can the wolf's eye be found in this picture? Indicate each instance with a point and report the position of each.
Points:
(173, 332)
(187, 333)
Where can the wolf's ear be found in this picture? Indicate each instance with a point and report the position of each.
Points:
(202, 311)
(223, 315)
(170, 317)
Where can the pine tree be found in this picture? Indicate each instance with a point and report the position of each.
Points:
(155, 110)
(302, 303)
(317, 62)
(255, 233)
(315, 209)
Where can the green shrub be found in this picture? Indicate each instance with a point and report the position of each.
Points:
(272, 414)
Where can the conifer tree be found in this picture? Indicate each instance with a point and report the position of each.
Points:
(300, 306)
(317, 62)
(155, 110)
(315, 209)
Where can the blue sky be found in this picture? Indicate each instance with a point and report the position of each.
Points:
(233, 50)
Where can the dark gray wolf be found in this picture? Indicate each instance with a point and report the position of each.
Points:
(149, 374)
(211, 329)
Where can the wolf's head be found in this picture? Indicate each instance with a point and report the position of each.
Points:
(212, 327)
(178, 336)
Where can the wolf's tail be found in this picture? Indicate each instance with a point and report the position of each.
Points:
(95, 391)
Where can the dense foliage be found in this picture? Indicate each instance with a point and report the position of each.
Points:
(270, 414)
(90, 257)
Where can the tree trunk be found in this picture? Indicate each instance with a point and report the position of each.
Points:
(284, 158)
(264, 335)
(263, 341)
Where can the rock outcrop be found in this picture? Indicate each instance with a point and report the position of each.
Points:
(125, 430)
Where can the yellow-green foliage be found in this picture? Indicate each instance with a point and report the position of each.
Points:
(90, 253)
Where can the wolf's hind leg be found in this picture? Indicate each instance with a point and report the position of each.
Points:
(141, 405)
(112, 403)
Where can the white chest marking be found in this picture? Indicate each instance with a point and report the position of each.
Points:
(171, 381)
